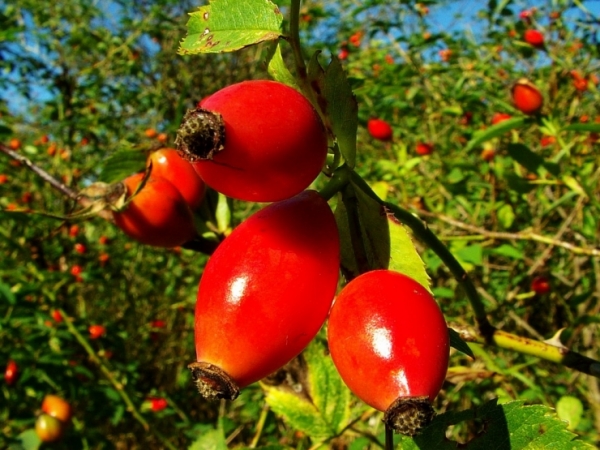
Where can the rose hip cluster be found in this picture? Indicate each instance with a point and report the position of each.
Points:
(270, 285)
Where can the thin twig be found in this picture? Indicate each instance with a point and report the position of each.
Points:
(519, 236)
(61, 187)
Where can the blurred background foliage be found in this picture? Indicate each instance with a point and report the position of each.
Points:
(82, 80)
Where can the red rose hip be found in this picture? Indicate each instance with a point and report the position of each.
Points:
(389, 341)
(264, 294)
(379, 129)
(256, 140)
(158, 215)
(167, 164)
(526, 97)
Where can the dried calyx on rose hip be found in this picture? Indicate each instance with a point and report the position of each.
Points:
(264, 294)
(390, 343)
(256, 140)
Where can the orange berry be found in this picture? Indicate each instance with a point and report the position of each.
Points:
(14, 144)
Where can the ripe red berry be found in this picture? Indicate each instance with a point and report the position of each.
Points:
(526, 97)
(167, 164)
(500, 117)
(76, 270)
(96, 331)
(380, 129)
(356, 38)
(3, 178)
(48, 428)
(55, 406)
(56, 315)
(545, 141)
(157, 404)
(267, 142)
(390, 343)
(158, 215)
(103, 258)
(526, 15)
(424, 148)
(580, 84)
(74, 230)
(11, 373)
(265, 293)
(103, 240)
(534, 38)
(158, 323)
(343, 53)
(540, 285)
(80, 248)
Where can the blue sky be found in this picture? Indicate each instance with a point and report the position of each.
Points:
(452, 16)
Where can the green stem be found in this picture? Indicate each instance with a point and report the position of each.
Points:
(110, 377)
(294, 40)
(260, 426)
(339, 180)
(425, 235)
(543, 350)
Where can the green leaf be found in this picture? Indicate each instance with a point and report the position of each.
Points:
(229, 25)
(341, 107)
(513, 425)
(223, 213)
(506, 216)
(299, 413)
(507, 250)
(494, 131)
(460, 345)
(210, 440)
(531, 161)
(404, 257)
(570, 409)
(7, 294)
(29, 440)
(574, 185)
(277, 68)
(329, 394)
(121, 165)
(591, 127)
(472, 254)
(321, 409)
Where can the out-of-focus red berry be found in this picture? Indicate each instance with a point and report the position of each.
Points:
(545, 141)
(96, 331)
(540, 285)
(11, 373)
(500, 117)
(74, 230)
(56, 315)
(157, 403)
